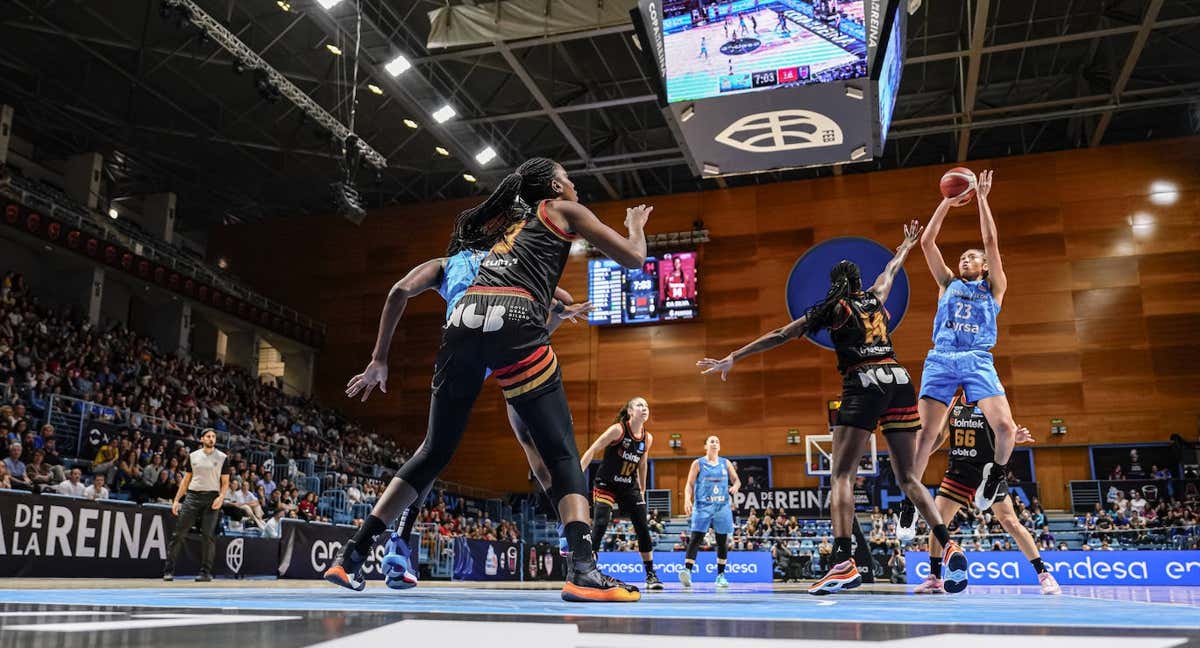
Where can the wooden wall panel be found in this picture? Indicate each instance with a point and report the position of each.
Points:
(1098, 328)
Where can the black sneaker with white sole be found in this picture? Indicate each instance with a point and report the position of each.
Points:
(653, 582)
(991, 488)
(906, 530)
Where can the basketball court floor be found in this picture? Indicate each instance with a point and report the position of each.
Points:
(68, 613)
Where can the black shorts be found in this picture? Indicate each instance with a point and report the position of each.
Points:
(961, 480)
(879, 394)
(502, 330)
(621, 497)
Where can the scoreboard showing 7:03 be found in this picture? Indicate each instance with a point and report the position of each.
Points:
(662, 289)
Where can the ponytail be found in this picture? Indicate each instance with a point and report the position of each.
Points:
(482, 226)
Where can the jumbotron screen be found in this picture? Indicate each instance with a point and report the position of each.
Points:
(717, 48)
(662, 290)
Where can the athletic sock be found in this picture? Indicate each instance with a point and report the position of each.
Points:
(841, 550)
(935, 567)
(689, 565)
(720, 568)
(407, 520)
(1038, 565)
(579, 540)
(364, 538)
(942, 534)
(649, 565)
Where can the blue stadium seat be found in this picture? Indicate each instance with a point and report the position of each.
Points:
(360, 510)
(311, 484)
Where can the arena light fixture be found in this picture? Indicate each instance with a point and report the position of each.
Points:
(688, 113)
(469, 178)
(328, 4)
(1141, 222)
(285, 6)
(398, 65)
(333, 49)
(444, 114)
(442, 151)
(411, 124)
(1164, 192)
(112, 212)
(374, 88)
(486, 155)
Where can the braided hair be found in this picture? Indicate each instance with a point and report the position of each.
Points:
(845, 279)
(482, 226)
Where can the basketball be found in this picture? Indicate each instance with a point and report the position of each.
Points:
(957, 181)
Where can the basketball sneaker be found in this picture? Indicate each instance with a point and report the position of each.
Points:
(954, 569)
(1049, 585)
(721, 581)
(989, 490)
(932, 585)
(396, 566)
(906, 530)
(653, 582)
(347, 570)
(842, 576)
(587, 584)
(685, 577)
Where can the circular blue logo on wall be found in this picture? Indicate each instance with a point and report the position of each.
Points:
(809, 281)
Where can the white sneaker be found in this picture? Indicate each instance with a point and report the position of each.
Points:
(1049, 585)
(906, 529)
(685, 577)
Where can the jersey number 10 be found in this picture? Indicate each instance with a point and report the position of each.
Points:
(628, 468)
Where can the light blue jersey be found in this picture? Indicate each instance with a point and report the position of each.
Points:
(711, 501)
(966, 317)
(458, 275)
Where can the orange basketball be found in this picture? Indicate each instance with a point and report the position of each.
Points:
(958, 181)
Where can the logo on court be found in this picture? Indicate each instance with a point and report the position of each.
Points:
(781, 130)
(233, 555)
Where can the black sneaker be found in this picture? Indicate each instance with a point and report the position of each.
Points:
(989, 490)
(586, 584)
(347, 570)
(652, 581)
(906, 530)
(204, 577)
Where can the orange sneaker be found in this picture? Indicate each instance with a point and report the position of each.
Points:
(842, 576)
(587, 584)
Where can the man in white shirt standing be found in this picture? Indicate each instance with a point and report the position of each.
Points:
(202, 491)
(72, 484)
(96, 490)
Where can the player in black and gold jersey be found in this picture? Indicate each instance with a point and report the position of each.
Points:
(973, 446)
(528, 224)
(621, 479)
(876, 390)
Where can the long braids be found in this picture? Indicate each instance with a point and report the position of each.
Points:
(845, 280)
(482, 226)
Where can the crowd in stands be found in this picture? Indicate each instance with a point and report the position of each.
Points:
(1131, 520)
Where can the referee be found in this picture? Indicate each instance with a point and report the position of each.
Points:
(205, 482)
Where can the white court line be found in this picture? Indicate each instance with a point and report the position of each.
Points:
(58, 613)
(145, 621)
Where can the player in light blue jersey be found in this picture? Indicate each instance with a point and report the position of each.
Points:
(964, 331)
(708, 498)
(450, 276)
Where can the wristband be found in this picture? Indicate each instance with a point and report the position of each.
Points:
(558, 307)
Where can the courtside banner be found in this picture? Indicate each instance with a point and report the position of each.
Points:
(742, 566)
(486, 560)
(307, 549)
(792, 501)
(67, 537)
(1073, 567)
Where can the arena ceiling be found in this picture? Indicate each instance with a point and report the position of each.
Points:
(165, 105)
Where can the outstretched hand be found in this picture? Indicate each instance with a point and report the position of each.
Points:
(376, 373)
(724, 365)
(1023, 435)
(636, 217)
(985, 184)
(574, 311)
(912, 234)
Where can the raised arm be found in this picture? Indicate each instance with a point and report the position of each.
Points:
(933, 255)
(768, 341)
(629, 251)
(421, 278)
(883, 283)
(609, 437)
(991, 242)
(691, 486)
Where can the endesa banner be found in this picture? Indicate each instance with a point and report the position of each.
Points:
(307, 549)
(1073, 567)
(67, 537)
(741, 567)
(486, 560)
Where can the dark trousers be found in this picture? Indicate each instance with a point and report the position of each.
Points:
(196, 505)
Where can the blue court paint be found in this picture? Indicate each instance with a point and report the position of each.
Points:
(1122, 607)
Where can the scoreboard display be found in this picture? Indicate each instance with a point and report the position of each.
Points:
(663, 289)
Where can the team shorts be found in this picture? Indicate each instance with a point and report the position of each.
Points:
(945, 370)
(624, 498)
(961, 480)
(720, 519)
(879, 394)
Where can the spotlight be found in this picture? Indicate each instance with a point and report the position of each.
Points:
(486, 155)
(441, 151)
(397, 66)
(348, 202)
(222, 263)
(1163, 192)
(333, 49)
(444, 114)
(374, 88)
(410, 123)
(112, 212)
(328, 4)
(470, 178)
(285, 6)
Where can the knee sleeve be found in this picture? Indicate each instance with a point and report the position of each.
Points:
(722, 546)
(600, 521)
(694, 544)
(642, 527)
